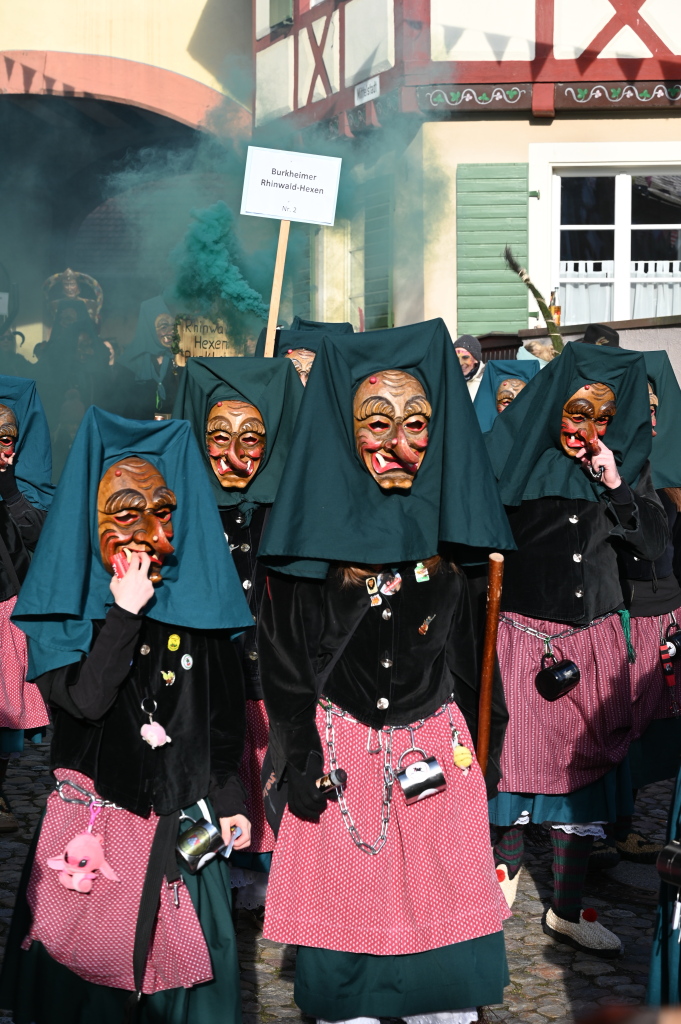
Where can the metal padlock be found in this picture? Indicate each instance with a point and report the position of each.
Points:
(673, 641)
(420, 778)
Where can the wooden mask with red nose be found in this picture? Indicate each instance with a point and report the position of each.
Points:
(391, 416)
(134, 513)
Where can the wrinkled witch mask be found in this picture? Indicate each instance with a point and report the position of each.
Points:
(164, 326)
(653, 402)
(507, 391)
(235, 442)
(302, 359)
(8, 430)
(391, 416)
(134, 513)
(586, 417)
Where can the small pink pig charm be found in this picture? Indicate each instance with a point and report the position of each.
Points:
(83, 858)
(154, 734)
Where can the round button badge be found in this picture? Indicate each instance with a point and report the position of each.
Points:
(187, 661)
(174, 642)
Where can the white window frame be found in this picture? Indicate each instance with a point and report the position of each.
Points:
(547, 162)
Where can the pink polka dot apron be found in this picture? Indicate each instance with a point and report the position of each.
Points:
(21, 705)
(433, 882)
(92, 933)
(255, 748)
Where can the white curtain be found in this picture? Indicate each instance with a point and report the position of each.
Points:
(586, 302)
(655, 299)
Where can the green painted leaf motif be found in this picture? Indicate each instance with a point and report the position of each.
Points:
(512, 93)
(675, 92)
(615, 93)
(438, 97)
(581, 94)
(645, 95)
(454, 97)
(484, 98)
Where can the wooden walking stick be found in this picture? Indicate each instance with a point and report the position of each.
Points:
(495, 580)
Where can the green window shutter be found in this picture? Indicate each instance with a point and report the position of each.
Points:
(491, 212)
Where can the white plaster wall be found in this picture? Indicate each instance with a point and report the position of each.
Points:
(484, 30)
(369, 39)
(274, 81)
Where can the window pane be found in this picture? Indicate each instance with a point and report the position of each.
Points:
(587, 200)
(656, 245)
(587, 245)
(656, 199)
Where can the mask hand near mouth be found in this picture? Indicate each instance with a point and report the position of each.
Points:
(586, 417)
(391, 416)
(507, 391)
(8, 437)
(302, 359)
(134, 513)
(235, 442)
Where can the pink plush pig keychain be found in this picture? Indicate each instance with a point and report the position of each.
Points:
(82, 859)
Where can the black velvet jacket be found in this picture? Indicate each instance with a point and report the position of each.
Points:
(98, 717)
(565, 568)
(650, 587)
(20, 526)
(321, 637)
(243, 543)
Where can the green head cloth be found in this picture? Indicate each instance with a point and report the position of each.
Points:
(329, 508)
(524, 443)
(141, 355)
(665, 456)
(496, 370)
(33, 461)
(303, 334)
(273, 387)
(67, 586)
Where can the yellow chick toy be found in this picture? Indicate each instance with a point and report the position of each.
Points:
(462, 757)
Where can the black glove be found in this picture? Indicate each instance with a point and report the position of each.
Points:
(304, 799)
(8, 485)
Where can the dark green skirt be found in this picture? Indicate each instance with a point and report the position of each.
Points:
(339, 986)
(39, 990)
(603, 800)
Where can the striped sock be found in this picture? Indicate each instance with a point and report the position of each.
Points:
(570, 862)
(509, 848)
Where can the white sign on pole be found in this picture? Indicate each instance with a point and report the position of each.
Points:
(291, 186)
(369, 90)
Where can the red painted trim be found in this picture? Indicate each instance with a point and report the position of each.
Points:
(543, 99)
(47, 73)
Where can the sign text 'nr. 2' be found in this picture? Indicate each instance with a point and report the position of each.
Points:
(291, 186)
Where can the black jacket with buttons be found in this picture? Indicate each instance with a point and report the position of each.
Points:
(565, 568)
(243, 542)
(383, 665)
(98, 715)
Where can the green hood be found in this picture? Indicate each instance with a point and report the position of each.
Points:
(330, 509)
(67, 586)
(273, 386)
(665, 455)
(524, 443)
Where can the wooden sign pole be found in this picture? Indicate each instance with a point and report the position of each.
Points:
(276, 287)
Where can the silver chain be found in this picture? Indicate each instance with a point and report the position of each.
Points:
(386, 746)
(545, 637)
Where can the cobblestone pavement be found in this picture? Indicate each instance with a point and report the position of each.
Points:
(549, 982)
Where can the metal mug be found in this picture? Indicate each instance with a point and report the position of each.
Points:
(673, 642)
(556, 680)
(200, 841)
(420, 778)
